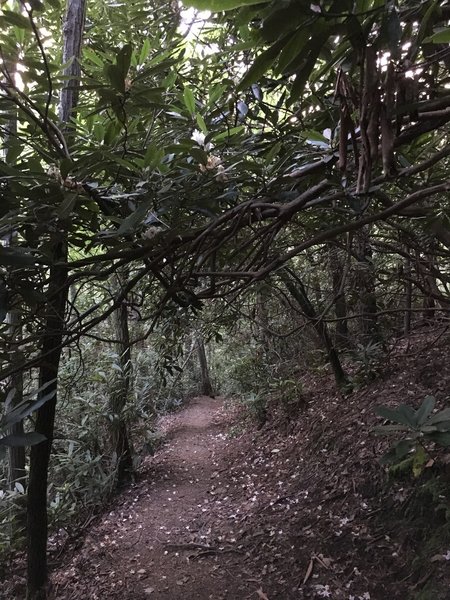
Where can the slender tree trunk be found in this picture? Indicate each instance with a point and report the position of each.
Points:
(298, 292)
(17, 458)
(206, 389)
(340, 302)
(430, 285)
(261, 316)
(120, 392)
(408, 297)
(52, 338)
(16, 454)
(365, 283)
(45, 418)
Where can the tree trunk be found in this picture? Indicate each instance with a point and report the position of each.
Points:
(429, 301)
(120, 392)
(262, 318)
(16, 454)
(73, 30)
(298, 292)
(53, 333)
(45, 419)
(206, 386)
(340, 302)
(365, 284)
(408, 297)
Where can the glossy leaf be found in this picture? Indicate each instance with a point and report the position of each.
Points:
(404, 415)
(27, 407)
(220, 5)
(398, 452)
(441, 438)
(22, 439)
(199, 154)
(16, 19)
(261, 65)
(425, 409)
(440, 417)
(3, 301)
(15, 258)
(189, 100)
(136, 218)
(442, 36)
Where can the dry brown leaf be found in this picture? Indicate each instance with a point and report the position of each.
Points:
(437, 558)
(309, 570)
(324, 561)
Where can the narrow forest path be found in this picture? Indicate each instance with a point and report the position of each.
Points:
(159, 542)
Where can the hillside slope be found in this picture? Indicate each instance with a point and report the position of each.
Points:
(300, 508)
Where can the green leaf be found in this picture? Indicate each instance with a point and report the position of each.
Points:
(398, 451)
(118, 160)
(111, 132)
(442, 415)
(216, 92)
(153, 156)
(292, 49)
(388, 429)
(441, 438)
(31, 296)
(115, 77)
(14, 257)
(65, 167)
(6, 169)
(426, 23)
(420, 460)
(136, 218)
(315, 47)
(315, 136)
(219, 5)
(13, 150)
(261, 64)
(123, 60)
(199, 154)
(145, 51)
(442, 426)
(36, 4)
(93, 57)
(15, 19)
(28, 406)
(4, 304)
(425, 410)
(224, 135)
(403, 447)
(394, 32)
(273, 152)
(201, 123)
(442, 36)
(22, 439)
(189, 100)
(283, 20)
(405, 415)
(67, 205)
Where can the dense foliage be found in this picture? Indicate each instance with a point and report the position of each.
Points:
(268, 180)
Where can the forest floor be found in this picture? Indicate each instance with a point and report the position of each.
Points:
(160, 541)
(299, 508)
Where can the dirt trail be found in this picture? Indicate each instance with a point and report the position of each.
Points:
(160, 542)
